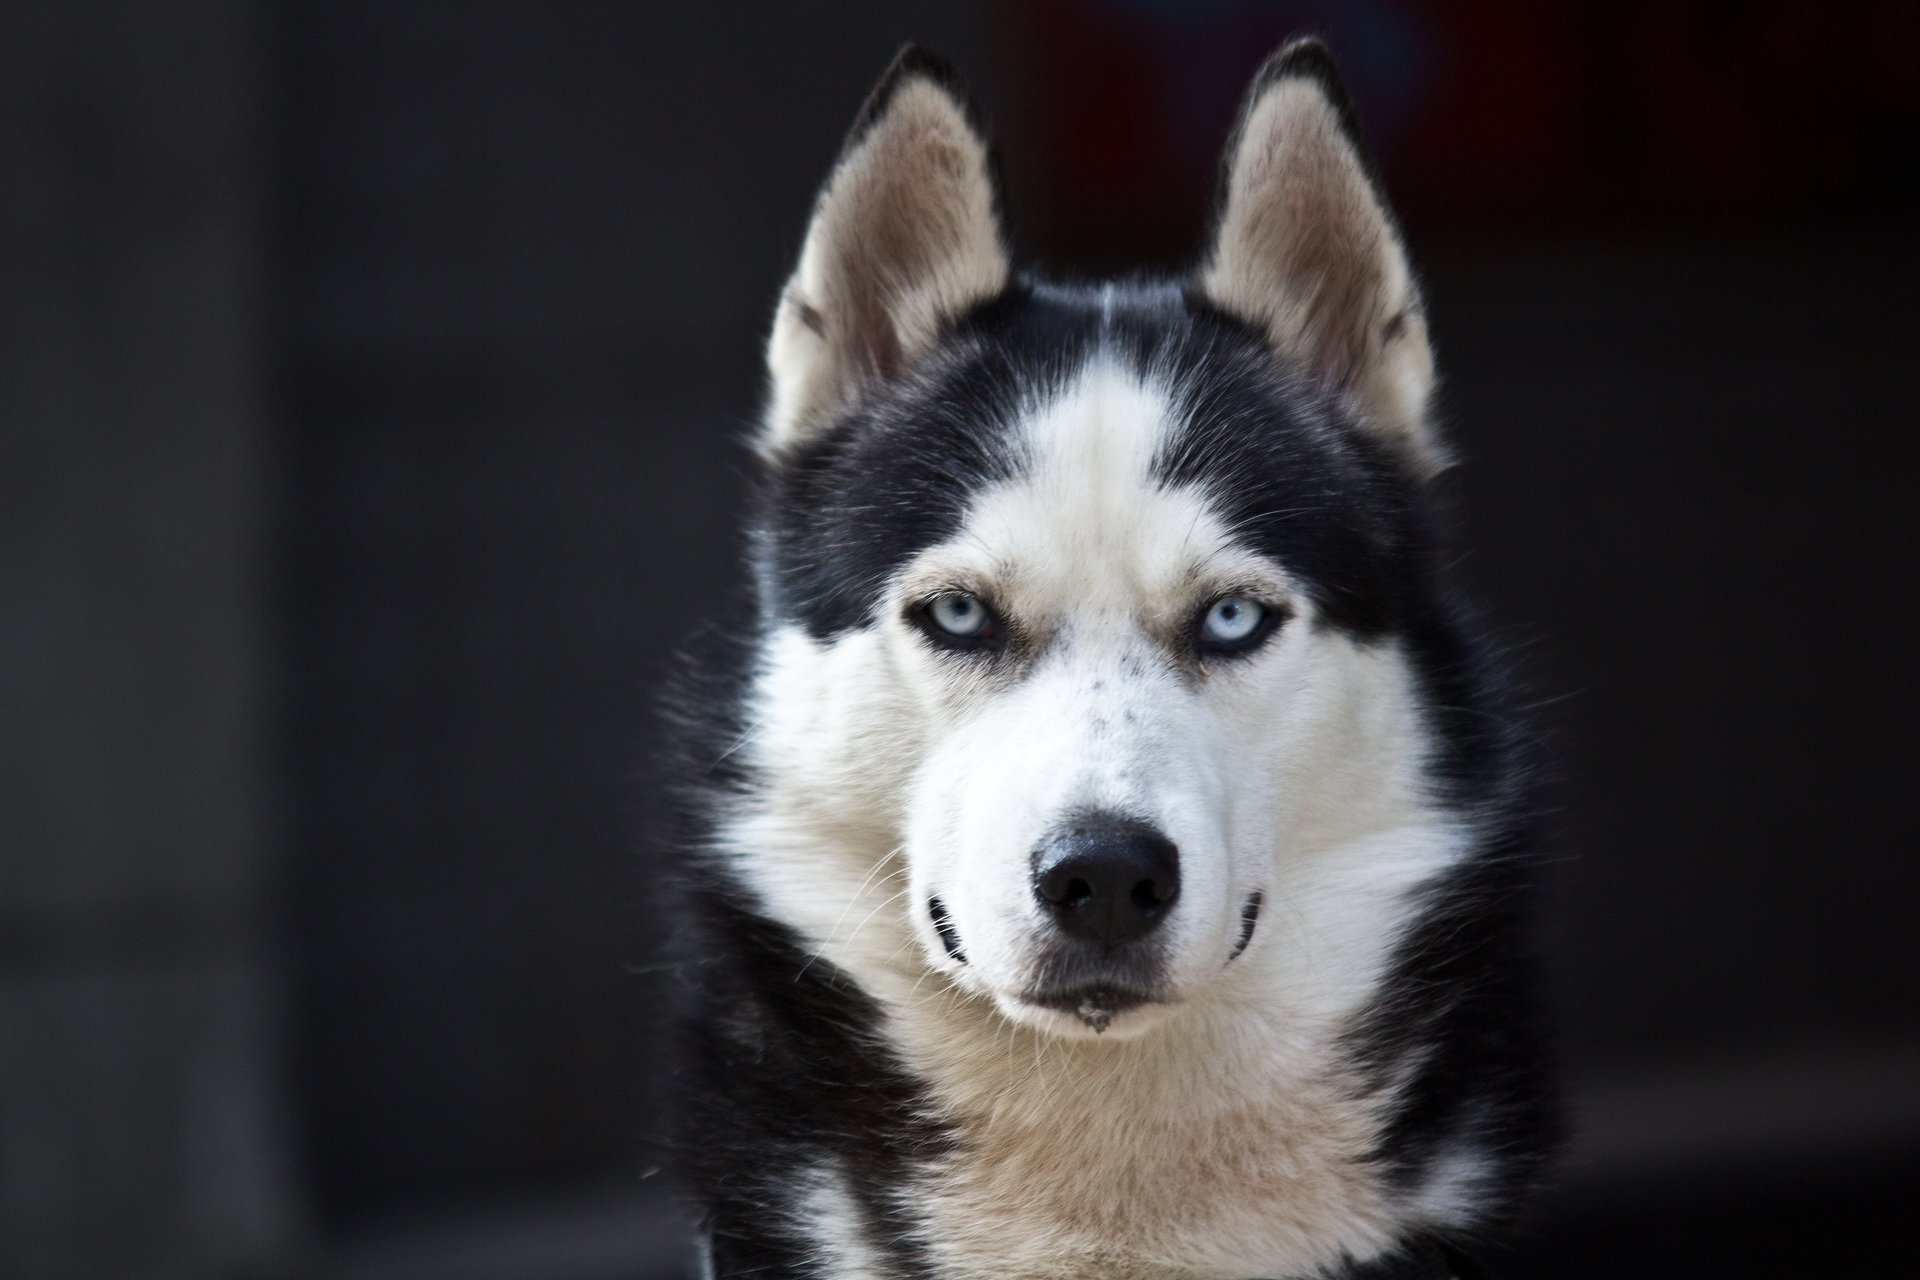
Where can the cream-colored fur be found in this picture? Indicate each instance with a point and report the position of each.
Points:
(1305, 250)
(903, 237)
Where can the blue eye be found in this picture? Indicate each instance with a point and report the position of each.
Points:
(1233, 622)
(959, 616)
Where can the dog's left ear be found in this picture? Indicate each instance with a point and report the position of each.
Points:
(1306, 250)
(905, 235)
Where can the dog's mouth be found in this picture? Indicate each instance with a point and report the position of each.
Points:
(1095, 1004)
(1092, 991)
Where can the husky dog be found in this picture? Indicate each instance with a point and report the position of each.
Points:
(1108, 849)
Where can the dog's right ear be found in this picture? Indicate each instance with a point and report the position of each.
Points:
(905, 235)
(1306, 250)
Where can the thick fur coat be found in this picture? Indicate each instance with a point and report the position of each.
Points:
(1108, 844)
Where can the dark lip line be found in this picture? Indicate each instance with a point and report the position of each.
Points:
(1249, 918)
(1113, 999)
(1095, 1004)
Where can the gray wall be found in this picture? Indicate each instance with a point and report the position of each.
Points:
(142, 1128)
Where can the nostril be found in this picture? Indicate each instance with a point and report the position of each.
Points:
(1149, 896)
(1064, 889)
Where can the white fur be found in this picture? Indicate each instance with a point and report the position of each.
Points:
(1220, 1135)
(831, 1219)
(1454, 1187)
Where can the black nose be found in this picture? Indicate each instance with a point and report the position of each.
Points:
(1106, 878)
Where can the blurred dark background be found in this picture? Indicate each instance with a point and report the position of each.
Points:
(371, 396)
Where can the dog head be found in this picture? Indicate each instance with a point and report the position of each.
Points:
(1085, 607)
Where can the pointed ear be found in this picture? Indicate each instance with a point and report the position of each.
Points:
(1306, 249)
(905, 235)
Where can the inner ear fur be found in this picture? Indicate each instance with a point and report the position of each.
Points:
(1306, 249)
(906, 234)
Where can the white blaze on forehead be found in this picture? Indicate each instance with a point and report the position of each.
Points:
(1087, 523)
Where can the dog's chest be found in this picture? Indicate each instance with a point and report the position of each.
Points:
(1095, 1174)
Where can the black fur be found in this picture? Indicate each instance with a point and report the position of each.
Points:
(796, 1070)
(1299, 479)
(780, 1061)
(786, 1064)
(793, 1069)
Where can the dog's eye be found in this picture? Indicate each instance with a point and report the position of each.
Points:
(1233, 623)
(959, 618)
